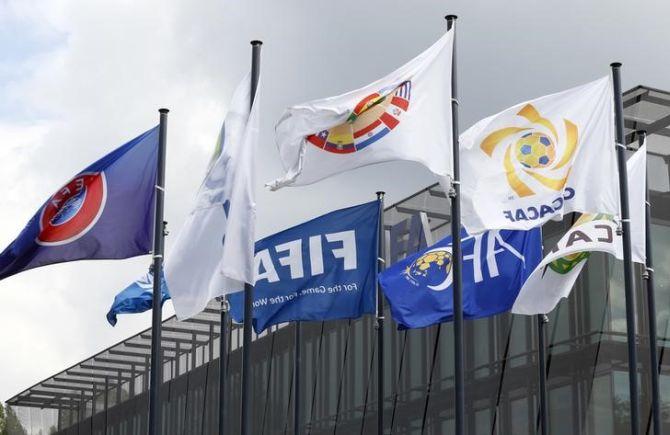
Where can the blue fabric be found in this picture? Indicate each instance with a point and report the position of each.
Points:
(136, 298)
(294, 286)
(495, 266)
(104, 212)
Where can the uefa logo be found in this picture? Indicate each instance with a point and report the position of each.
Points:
(432, 269)
(73, 210)
(372, 119)
(534, 156)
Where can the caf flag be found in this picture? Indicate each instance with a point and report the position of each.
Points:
(541, 159)
(323, 269)
(495, 266)
(136, 298)
(103, 212)
(213, 253)
(555, 276)
(403, 116)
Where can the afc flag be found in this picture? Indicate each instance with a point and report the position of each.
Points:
(495, 266)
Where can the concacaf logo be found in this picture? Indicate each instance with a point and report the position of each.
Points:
(536, 154)
(372, 118)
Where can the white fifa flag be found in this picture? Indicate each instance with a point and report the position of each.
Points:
(214, 251)
(404, 116)
(540, 160)
(555, 276)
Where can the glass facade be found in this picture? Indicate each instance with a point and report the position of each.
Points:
(586, 348)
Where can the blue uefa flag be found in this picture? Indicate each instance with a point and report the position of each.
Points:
(136, 298)
(104, 212)
(324, 269)
(495, 266)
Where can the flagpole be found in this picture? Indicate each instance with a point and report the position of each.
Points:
(245, 413)
(454, 194)
(159, 239)
(629, 284)
(380, 318)
(542, 321)
(296, 379)
(651, 307)
(223, 354)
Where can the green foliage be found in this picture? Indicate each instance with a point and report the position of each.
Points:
(2, 419)
(12, 424)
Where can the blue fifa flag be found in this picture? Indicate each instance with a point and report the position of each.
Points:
(495, 266)
(136, 298)
(324, 269)
(104, 212)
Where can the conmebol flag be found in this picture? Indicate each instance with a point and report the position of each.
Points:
(404, 116)
(495, 266)
(555, 276)
(136, 298)
(103, 212)
(323, 269)
(541, 159)
(214, 251)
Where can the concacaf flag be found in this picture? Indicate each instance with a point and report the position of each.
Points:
(404, 116)
(541, 159)
(555, 276)
(214, 250)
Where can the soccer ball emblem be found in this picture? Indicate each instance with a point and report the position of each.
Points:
(431, 267)
(535, 150)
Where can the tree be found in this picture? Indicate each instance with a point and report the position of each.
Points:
(2, 419)
(13, 425)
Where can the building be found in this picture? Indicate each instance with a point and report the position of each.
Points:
(587, 357)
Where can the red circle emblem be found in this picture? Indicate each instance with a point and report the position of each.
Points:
(73, 210)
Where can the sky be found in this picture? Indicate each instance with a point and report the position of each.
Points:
(79, 78)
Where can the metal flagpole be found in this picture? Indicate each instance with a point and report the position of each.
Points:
(159, 239)
(651, 308)
(380, 319)
(245, 413)
(296, 379)
(542, 320)
(454, 194)
(629, 284)
(223, 357)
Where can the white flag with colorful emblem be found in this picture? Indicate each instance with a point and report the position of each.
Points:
(214, 251)
(404, 116)
(540, 160)
(555, 276)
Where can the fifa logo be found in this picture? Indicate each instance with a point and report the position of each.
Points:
(536, 155)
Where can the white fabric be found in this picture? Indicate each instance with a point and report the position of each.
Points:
(580, 119)
(214, 251)
(545, 287)
(423, 133)
(637, 195)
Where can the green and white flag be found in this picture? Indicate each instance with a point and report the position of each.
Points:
(555, 276)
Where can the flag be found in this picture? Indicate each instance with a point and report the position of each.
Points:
(323, 269)
(136, 298)
(214, 250)
(541, 159)
(555, 276)
(403, 116)
(104, 212)
(637, 197)
(495, 266)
